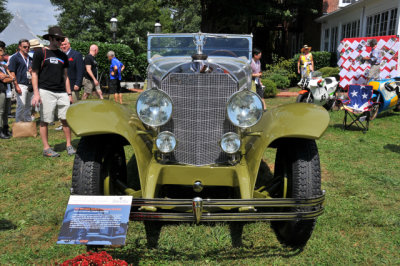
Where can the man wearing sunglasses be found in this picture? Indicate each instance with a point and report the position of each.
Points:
(51, 88)
(19, 66)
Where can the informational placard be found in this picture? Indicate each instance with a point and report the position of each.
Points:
(96, 220)
(354, 69)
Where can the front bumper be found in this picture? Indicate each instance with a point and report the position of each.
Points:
(199, 208)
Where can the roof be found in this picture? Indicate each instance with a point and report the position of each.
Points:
(16, 30)
(341, 10)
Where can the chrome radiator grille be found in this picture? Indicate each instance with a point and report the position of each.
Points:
(199, 116)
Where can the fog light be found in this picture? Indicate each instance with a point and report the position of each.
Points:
(230, 143)
(166, 142)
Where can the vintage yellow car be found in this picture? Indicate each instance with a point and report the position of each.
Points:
(199, 134)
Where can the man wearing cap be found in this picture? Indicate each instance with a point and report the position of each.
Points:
(75, 69)
(51, 88)
(19, 66)
(306, 62)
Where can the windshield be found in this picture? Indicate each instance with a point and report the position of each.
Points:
(316, 74)
(228, 45)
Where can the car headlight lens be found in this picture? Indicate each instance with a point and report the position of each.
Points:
(154, 107)
(230, 142)
(166, 142)
(244, 109)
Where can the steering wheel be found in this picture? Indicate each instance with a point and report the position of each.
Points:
(223, 51)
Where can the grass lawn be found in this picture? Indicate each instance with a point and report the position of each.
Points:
(361, 224)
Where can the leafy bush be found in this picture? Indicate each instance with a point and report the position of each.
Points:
(11, 49)
(270, 88)
(141, 65)
(330, 72)
(286, 69)
(281, 81)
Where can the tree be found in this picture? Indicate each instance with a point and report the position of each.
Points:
(5, 15)
(186, 15)
(90, 20)
(269, 21)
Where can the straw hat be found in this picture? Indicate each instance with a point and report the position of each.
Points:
(34, 43)
(305, 47)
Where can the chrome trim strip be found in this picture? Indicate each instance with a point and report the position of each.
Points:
(233, 203)
(220, 217)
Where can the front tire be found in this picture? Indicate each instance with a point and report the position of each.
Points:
(303, 98)
(374, 111)
(99, 162)
(297, 164)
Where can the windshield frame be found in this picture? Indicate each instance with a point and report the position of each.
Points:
(195, 37)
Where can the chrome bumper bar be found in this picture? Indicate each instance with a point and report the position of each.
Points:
(199, 205)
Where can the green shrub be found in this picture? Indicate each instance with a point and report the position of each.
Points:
(282, 82)
(283, 67)
(141, 65)
(270, 90)
(11, 49)
(330, 72)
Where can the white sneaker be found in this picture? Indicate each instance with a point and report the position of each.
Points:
(59, 128)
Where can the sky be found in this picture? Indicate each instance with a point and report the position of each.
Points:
(38, 14)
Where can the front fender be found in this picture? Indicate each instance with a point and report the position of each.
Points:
(98, 117)
(101, 117)
(296, 120)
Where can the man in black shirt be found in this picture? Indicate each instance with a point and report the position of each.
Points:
(51, 88)
(90, 81)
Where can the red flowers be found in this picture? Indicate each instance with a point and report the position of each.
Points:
(93, 259)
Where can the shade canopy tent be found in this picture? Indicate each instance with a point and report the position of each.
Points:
(16, 30)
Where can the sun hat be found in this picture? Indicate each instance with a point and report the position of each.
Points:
(305, 47)
(35, 43)
(54, 31)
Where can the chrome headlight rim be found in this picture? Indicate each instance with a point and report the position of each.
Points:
(225, 136)
(143, 94)
(169, 134)
(235, 95)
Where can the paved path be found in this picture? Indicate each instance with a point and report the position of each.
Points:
(287, 94)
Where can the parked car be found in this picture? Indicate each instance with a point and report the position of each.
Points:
(199, 135)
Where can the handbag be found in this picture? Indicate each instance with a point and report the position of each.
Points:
(24, 129)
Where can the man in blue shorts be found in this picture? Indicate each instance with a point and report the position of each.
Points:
(116, 69)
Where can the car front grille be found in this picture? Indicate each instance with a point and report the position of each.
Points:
(199, 115)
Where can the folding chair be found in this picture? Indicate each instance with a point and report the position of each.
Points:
(358, 107)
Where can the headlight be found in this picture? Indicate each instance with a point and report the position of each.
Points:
(166, 142)
(154, 107)
(230, 142)
(244, 109)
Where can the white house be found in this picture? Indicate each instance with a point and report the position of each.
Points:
(362, 18)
